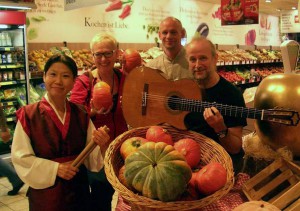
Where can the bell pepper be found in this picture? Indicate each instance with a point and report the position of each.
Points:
(125, 12)
(116, 5)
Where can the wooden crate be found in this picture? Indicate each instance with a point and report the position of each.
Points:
(278, 184)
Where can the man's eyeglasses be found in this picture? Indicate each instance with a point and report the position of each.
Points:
(107, 54)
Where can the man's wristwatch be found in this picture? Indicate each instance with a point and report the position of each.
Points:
(222, 133)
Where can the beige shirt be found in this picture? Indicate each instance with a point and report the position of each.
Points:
(172, 69)
(40, 173)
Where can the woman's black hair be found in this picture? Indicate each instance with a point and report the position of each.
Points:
(66, 60)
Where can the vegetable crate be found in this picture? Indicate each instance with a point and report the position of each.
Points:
(278, 184)
(211, 151)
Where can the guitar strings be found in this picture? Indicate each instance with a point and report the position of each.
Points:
(193, 105)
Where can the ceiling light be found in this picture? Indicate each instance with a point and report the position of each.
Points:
(293, 8)
(268, 1)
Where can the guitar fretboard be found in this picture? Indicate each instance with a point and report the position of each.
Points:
(226, 110)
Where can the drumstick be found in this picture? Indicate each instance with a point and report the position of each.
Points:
(86, 151)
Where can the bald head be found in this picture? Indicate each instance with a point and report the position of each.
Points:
(193, 44)
(172, 20)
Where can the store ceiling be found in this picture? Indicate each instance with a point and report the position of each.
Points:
(269, 8)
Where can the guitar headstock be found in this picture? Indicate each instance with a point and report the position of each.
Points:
(282, 116)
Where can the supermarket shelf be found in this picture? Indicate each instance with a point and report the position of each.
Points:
(246, 62)
(9, 48)
(11, 119)
(9, 103)
(8, 83)
(10, 66)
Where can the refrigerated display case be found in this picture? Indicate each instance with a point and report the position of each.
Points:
(14, 81)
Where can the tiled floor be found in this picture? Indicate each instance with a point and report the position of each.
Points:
(8, 203)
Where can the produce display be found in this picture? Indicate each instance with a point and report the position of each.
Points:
(158, 167)
(38, 58)
(248, 73)
(237, 65)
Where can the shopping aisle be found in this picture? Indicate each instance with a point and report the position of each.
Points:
(8, 203)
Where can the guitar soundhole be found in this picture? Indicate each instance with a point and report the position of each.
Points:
(174, 102)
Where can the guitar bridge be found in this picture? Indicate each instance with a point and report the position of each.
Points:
(144, 99)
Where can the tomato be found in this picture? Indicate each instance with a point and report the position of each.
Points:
(211, 178)
(159, 134)
(193, 181)
(190, 149)
(130, 145)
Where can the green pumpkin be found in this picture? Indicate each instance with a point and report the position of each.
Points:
(158, 171)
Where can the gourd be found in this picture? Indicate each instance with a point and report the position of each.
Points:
(131, 59)
(102, 95)
(157, 171)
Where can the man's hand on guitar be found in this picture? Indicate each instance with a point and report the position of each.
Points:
(214, 119)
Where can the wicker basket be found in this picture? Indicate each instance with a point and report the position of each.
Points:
(211, 151)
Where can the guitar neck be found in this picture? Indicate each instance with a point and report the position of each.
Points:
(226, 110)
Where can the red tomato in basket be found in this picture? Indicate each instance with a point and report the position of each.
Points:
(211, 178)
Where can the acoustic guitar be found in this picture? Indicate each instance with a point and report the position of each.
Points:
(150, 99)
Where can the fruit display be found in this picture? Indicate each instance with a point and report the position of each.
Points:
(168, 172)
(241, 56)
(38, 58)
(248, 73)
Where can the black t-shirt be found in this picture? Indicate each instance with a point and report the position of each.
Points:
(223, 93)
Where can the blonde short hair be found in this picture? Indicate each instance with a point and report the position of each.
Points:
(104, 37)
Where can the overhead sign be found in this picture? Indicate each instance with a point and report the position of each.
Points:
(76, 4)
(237, 12)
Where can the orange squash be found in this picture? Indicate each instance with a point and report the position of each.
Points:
(131, 59)
(102, 97)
